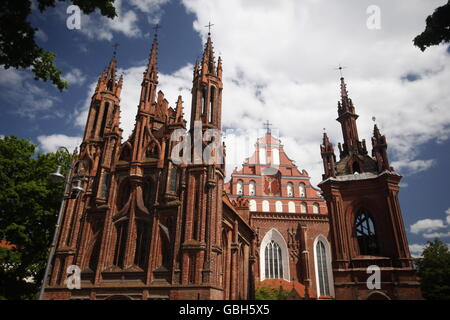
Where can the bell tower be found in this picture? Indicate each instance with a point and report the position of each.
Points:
(366, 223)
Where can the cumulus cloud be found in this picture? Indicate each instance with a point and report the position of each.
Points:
(427, 225)
(413, 166)
(18, 88)
(95, 26)
(51, 143)
(75, 77)
(279, 61)
(434, 235)
(280, 67)
(416, 250)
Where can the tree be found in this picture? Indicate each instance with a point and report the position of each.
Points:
(18, 48)
(434, 270)
(29, 205)
(437, 29)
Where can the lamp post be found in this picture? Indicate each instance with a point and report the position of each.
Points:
(59, 177)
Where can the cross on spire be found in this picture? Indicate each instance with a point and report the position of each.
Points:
(209, 27)
(267, 125)
(115, 45)
(156, 28)
(340, 70)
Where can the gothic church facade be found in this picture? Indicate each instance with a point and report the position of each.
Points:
(148, 227)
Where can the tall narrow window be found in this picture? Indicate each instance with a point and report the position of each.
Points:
(316, 208)
(105, 185)
(279, 206)
(173, 180)
(275, 156)
(302, 190)
(240, 187)
(262, 156)
(142, 242)
(211, 109)
(265, 206)
(322, 272)
(105, 117)
(291, 206)
(290, 189)
(274, 261)
(303, 208)
(252, 205)
(121, 240)
(365, 233)
(252, 188)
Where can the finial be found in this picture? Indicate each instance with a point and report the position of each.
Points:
(115, 45)
(340, 70)
(374, 119)
(267, 126)
(156, 28)
(209, 27)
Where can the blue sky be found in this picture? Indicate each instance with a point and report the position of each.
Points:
(279, 59)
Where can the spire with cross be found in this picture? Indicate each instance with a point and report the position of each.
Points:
(340, 70)
(115, 45)
(156, 28)
(267, 125)
(209, 27)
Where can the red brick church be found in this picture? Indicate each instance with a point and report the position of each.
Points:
(149, 227)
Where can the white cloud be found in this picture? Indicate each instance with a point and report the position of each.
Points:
(75, 77)
(51, 143)
(427, 225)
(436, 235)
(153, 8)
(41, 35)
(279, 61)
(95, 26)
(20, 90)
(278, 65)
(416, 250)
(413, 166)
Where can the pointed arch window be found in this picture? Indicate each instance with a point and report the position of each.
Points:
(322, 272)
(142, 243)
(365, 234)
(274, 261)
(121, 241)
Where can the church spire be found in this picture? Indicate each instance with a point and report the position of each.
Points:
(208, 63)
(347, 118)
(379, 151)
(150, 79)
(207, 89)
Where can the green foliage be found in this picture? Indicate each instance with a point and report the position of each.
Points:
(437, 29)
(434, 270)
(18, 48)
(268, 293)
(29, 204)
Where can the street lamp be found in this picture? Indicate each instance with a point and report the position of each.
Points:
(75, 192)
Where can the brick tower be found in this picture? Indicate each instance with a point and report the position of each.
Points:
(366, 224)
(149, 226)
